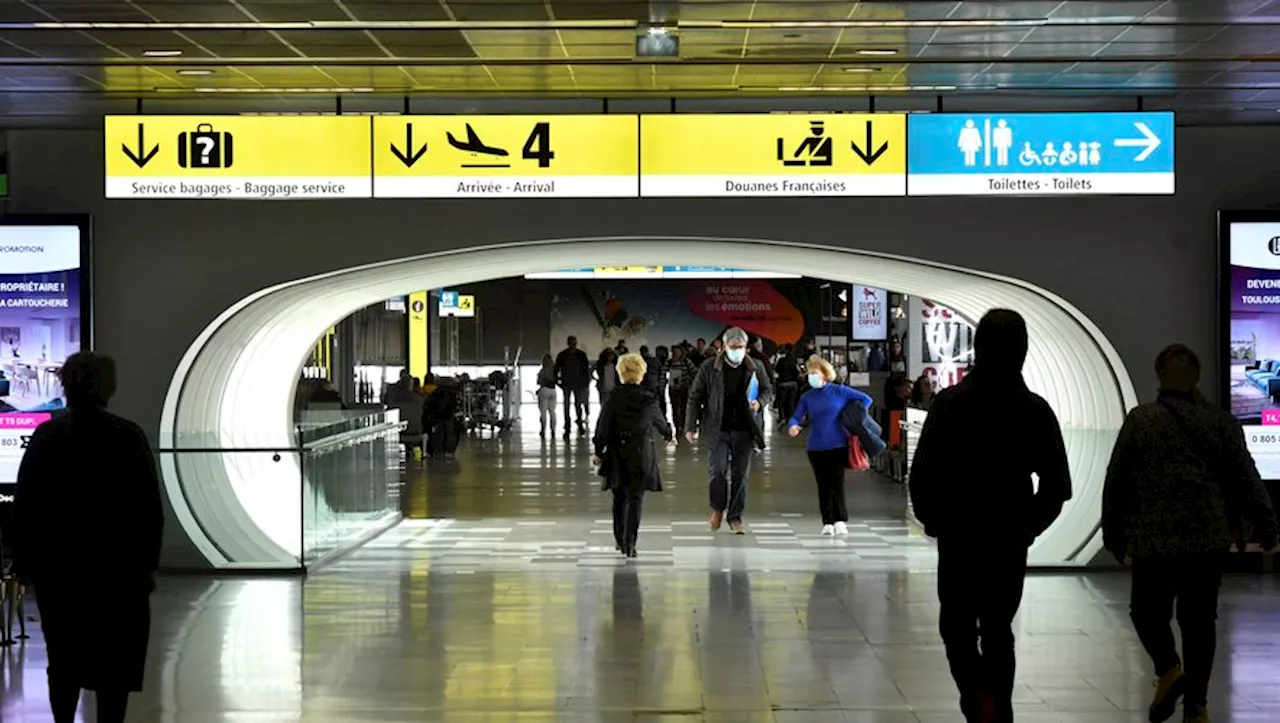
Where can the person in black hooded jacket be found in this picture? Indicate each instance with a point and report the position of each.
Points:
(986, 515)
(624, 448)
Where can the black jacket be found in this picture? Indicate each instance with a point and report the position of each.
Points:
(982, 441)
(624, 439)
(573, 369)
(705, 409)
(88, 482)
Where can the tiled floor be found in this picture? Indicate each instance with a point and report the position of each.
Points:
(510, 605)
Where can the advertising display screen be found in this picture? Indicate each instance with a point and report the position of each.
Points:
(1250, 330)
(44, 295)
(870, 314)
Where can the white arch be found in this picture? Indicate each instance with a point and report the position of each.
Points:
(234, 386)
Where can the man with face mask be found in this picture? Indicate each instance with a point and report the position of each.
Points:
(725, 404)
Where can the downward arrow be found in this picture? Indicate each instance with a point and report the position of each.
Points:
(142, 158)
(1149, 142)
(405, 157)
(866, 156)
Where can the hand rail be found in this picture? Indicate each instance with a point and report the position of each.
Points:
(353, 435)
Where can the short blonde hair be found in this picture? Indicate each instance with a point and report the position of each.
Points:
(817, 363)
(632, 368)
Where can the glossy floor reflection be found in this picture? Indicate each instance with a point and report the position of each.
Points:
(502, 610)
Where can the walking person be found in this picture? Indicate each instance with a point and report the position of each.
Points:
(573, 371)
(680, 373)
(1180, 488)
(788, 371)
(625, 452)
(547, 395)
(606, 374)
(96, 617)
(985, 517)
(721, 410)
(828, 442)
(663, 356)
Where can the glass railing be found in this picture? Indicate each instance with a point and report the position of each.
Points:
(292, 507)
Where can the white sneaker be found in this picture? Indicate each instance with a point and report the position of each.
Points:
(842, 529)
(828, 531)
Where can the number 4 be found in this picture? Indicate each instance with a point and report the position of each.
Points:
(538, 147)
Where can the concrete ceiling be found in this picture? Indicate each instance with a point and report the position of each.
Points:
(1214, 61)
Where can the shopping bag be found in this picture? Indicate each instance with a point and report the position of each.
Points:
(858, 460)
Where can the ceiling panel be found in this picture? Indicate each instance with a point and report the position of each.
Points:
(500, 10)
(425, 43)
(331, 44)
(187, 11)
(387, 10)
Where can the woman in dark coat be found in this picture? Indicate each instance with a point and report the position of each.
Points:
(625, 449)
(88, 483)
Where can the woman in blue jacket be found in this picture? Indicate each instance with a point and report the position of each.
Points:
(828, 442)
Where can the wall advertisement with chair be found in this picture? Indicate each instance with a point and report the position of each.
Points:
(43, 320)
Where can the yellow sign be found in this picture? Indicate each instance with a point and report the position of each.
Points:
(417, 349)
(505, 156)
(630, 271)
(773, 155)
(466, 305)
(238, 157)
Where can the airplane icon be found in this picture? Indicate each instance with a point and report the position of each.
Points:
(473, 144)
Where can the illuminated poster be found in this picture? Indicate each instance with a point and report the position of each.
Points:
(1252, 350)
(870, 314)
(42, 286)
(940, 343)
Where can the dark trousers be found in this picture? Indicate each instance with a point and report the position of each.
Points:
(730, 464)
(1193, 581)
(679, 399)
(576, 398)
(979, 591)
(788, 397)
(628, 503)
(828, 469)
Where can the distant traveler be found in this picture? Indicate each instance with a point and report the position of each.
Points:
(828, 443)
(88, 483)
(652, 376)
(396, 391)
(897, 359)
(573, 370)
(1181, 487)
(680, 374)
(982, 557)
(699, 352)
(756, 350)
(922, 393)
(547, 395)
(606, 374)
(440, 420)
(876, 360)
(719, 406)
(625, 451)
(663, 355)
(788, 371)
(620, 348)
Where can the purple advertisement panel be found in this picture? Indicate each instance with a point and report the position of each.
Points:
(42, 306)
(1253, 337)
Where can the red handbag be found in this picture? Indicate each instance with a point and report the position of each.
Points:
(858, 460)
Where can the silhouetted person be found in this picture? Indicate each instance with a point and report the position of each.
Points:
(986, 515)
(89, 522)
(625, 449)
(1181, 487)
(573, 370)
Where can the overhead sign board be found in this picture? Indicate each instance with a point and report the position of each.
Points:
(454, 304)
(238, 157)
(773, 155)
(1040, 154)
(506, 156)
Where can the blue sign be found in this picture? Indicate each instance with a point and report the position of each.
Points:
(1040, 153)
(448, 299)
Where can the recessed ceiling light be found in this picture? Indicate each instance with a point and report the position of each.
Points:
(195, 71)
(861, 70)
(877, 51)
(162, 53)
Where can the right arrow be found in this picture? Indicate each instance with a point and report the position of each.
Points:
(142, 158)
(867, 156)
(404, 156)
(1149, 142)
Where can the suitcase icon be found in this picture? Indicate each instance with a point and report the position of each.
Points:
(205, 148)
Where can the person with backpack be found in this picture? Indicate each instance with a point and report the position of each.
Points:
(625, 453)
(547, 394)
(1180, 489)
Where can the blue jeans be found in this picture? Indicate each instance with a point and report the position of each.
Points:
(730, 464)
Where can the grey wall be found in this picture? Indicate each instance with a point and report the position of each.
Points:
(1142, 268)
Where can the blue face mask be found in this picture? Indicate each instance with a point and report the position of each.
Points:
(735, 356)
(817, 381)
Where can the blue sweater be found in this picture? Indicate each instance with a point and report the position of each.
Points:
(823, 407)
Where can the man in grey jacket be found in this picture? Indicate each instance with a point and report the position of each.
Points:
(1181, 487)
(730, 418)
